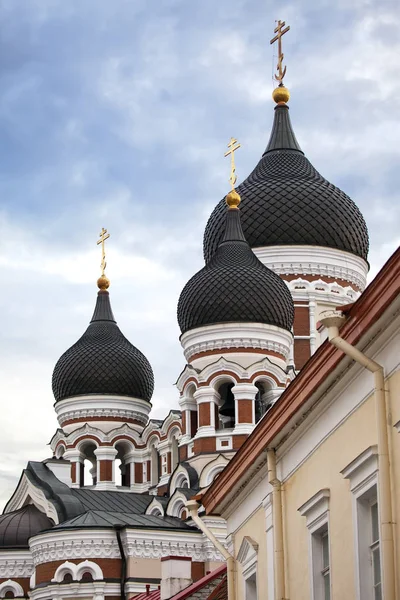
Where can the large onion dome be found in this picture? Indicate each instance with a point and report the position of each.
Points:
(18, 526)
(285, 201)
(103, 361)
(235, 286)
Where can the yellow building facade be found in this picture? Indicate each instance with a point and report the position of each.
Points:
(306, 499)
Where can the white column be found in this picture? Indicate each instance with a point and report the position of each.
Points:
(103, 454)
(313, 332)
(206, 395)
(244, 391)
(77, 457)
(187, 405)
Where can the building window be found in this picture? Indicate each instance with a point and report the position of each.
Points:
(247, 557)
(375, 552)
(362, 473)
(316, 511)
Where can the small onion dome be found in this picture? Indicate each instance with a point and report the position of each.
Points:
(285, 201)
(18, 526)
(103, 361)
(235, 286)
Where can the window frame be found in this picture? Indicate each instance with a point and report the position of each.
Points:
(362, 474)
(316, 511)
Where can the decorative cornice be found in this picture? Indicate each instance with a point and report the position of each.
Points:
(65, 545)
(321, 291)
(15, 564)
(236, 335)
(315, 260)
(119, 407)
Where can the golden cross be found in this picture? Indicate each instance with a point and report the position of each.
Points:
(280, 32)
(103, 235)
(233, 146)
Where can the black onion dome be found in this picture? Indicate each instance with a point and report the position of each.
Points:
(235, 286)
(18, 526)
(285, 201)
(103, 361)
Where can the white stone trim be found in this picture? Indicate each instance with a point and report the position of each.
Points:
(269, 529)
(315, 260)
(362, 473)
(244, 391)
(211, 469)
(77, 571)
(302, 289)
(97, 590)
(316, 511)
(247, 556)
(64, 545)
(100, 406)
(236, 335)
(11, 586)
(27, 493)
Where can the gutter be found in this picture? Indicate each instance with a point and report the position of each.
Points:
(332, 320)
(118, 527)
(279, 555)
(193, 507)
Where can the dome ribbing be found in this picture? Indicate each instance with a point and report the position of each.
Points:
(18, 526)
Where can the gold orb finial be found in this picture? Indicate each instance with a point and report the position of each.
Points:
(281, 94)
(233, 199)
(103, 283)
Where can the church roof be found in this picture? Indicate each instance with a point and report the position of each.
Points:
(18, 526)
(102, 518)
(285, 201)
(103, 361)
(234, 286)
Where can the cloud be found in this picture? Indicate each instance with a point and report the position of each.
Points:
(117, 115)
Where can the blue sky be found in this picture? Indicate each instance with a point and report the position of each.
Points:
(117, 114)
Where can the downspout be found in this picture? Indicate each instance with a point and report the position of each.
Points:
(193, 506)
(279, 558)
(118, 527)
(331, 321)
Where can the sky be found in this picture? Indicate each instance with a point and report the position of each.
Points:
(117, 115)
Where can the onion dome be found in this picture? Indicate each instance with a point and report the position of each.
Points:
(103, 361)
(18, 526)
(234, 286)
(285, 201)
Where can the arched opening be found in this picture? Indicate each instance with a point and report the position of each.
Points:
(122, 468)
(87, 576)
(191, 417)
(9, 594)
(174, 452)
(60, 450)
(89, 465)
(156, 512)
(155, 467)
(67, 578)
(226, 407)
(262, 402)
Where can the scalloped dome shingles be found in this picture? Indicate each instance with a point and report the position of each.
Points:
(18, 526)
(235, 286)
(285, 201)
(103, 361)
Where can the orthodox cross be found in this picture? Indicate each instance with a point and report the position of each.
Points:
(103, 235)
(279, 33)
(233, 146)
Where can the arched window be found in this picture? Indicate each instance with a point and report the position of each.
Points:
(9, 594)
(89, 474)
(122, 468)
(67, 578)
(155, 467)
(87, 576)
(262, 405)
(226, 409)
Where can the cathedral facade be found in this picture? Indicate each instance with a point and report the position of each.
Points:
(101, 516)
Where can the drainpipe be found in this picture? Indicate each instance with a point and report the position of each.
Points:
(332, 320)
(118, 527)
(193, 507)
(279, 557)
